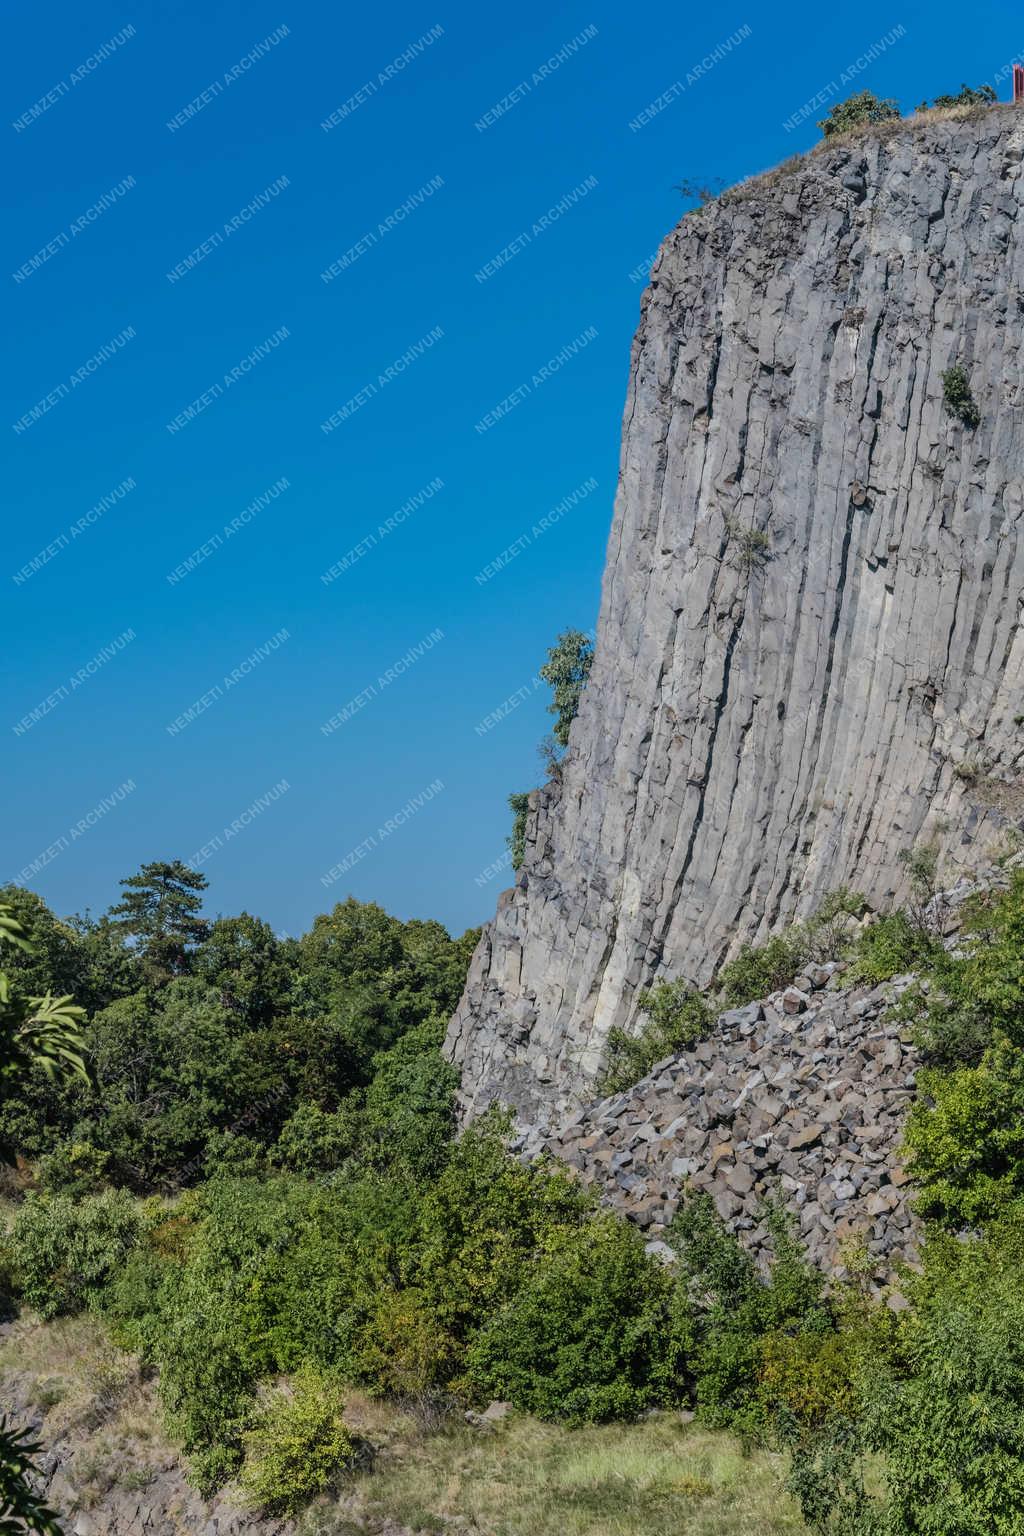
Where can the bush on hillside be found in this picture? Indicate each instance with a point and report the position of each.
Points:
(936, 1441)
(965, 1138)
(64, 1249)
(889, 947)
(592, 1334)
(677, 1016)
(966, 96)
(735, 1309)
(298, 1444)
(858, 111)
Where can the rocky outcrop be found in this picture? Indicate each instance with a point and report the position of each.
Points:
(104, 1478)
(810, 654)
(799, 1098)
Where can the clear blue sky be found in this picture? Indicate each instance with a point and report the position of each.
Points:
(129, 305)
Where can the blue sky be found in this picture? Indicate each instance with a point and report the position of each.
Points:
(272, 273)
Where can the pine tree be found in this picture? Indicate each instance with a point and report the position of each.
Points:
(160, 910)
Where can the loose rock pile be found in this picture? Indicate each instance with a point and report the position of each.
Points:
(801, 1096)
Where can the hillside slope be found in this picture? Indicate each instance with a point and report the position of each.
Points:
(809, 654)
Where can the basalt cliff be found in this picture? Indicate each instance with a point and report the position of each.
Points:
(810, 653)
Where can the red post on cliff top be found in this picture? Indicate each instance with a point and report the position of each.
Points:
(1018, 82)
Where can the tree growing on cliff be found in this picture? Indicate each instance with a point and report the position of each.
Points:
(518, 805)
(566, 670)
(856, 111)
(956, 392)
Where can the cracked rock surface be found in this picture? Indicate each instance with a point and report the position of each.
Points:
(798, 1098)
(809, 653)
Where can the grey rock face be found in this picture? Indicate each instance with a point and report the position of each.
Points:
(809, 653)
(807, 1109)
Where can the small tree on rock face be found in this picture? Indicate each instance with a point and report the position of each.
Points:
(160, 909)
(956, 392)
(566, 670)
(519, 805)
(855, 111)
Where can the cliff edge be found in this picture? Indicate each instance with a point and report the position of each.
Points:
(809, 654)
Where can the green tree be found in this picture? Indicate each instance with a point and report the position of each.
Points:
(160, 911)
(855, 111)
(243, 958)
(566, 670)
(372, 977)
(170, 1075)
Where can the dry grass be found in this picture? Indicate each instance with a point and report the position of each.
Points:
(660, 1478)
(90, 1390)
(915, 123)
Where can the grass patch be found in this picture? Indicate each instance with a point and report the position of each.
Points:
(660, 1476)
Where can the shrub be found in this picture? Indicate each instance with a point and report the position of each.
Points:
(677, 1017)
(519, 805)
(298, 1444)
(410, 1102)
(966, 96)
(978, 993)
(753, 545)
(758, 970)
(956, 392)
(315, 1140)
(400, 1351)
(941, 1422)
(64, 1250)
(858, 111)
(808, 1375)
(734, 1309)
(889, 947)
(482, 1223)
(965, 1137)
(591, 1335)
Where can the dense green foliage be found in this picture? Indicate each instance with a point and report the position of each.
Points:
(858, 111)
(206, 1045)
(310, 1222)
(597, 1331)
(64, 1250)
